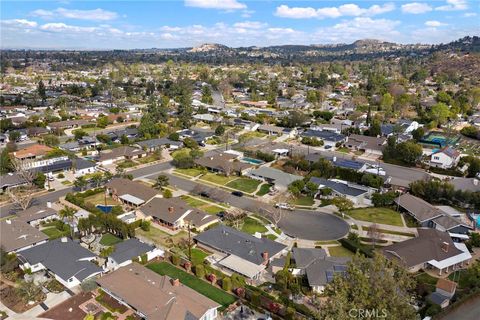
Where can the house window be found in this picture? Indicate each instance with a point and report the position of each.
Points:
(436, 158)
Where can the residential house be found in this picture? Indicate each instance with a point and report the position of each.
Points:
(224, 163)
(370, 145)
(318, 267)
(277, 131)
(207, 117)
(198, 135)
(238, 251)
(353, 192)
(430, 216)
(116, 135)
(121, 153)
(17, 235)
(466, 184)
(11, 180)
(83, 167)
(444, 158)
(274, 176)
(156, 297)
(66, 260)
(156, 144)
(432, 249)
(67, 124)
(38, 214)
(444, 292)
(131, 193)
(127, 251)
(32, 152)
(329, 138)
(174, 213)
(245, 124)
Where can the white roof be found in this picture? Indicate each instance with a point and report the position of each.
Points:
(453, 260)
(280, 150)
(132, 199)
(241, 266)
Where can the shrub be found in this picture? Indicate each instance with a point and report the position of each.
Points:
(227, 284)
(145, 225)
(200, 271)
(144, 258)
(167, 193)
(175, 259)
(354, 247)
(60, 176)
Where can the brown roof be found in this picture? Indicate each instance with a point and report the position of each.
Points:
(34, 150)
(68, 123)
(366, 142)
(446, 285)
(222, 162)
(419, 208)
(119, 152)
(427, 246)
(16, 234)
(121, 186)
(173, 209)
(154, 295)
(35, 213)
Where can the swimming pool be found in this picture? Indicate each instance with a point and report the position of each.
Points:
(104, 208)
(252, 161)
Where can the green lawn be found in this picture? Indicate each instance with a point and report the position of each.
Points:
(377, 215)
(251, 226)
(212, 209)
(340, 251)
(193, 202)
(217, 179)
(202, 205)
(264, 189)
(304, 201)
(193, 282)
(126, 164)
(99, 198)
(192, 172)
(148, 159)
(54, 233)
(197, 256)
(244, 184)
(109, 239)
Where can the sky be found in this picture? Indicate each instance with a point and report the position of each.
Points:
(235, 23)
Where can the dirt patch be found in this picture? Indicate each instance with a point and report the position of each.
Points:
(69, 309)
(10, 298)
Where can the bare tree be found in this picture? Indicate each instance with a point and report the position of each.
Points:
(22, 169)
(21, 196)
(374, 234)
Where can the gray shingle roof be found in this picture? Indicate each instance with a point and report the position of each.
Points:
(322, 271)
(152, 143)
(243, 245)
(324, 135)
(338, 187)
(305, 256)
(279, 177)
(419, 208)
(64, 258)
(129, 249)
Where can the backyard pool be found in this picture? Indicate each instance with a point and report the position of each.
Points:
(104, 208)
(252, 161)
(439, 139)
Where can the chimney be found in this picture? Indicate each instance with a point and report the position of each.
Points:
(445, 246)
(265, 257)
(64, 239)
(475, 182)
(49, 204)
(175, 282)
(170, 209)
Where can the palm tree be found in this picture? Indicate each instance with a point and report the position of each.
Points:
(68, 213)
(80, 183)
(162, 181)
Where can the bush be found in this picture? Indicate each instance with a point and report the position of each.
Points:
(227, 284)
(175, 260)
(60, 176)
(167, 193)
(354, 247)
(200, 271)
(145, 225)
(144, 258)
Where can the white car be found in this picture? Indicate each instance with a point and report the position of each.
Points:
(285, 206)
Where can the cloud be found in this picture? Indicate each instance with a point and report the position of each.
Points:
(247, 13)
(250, 25)
(416, 8)
(470, 14)
(434, 23)
(19, 23)
(62, 27)
(93, 15)
(453, 5)
(350, 9)
(216, 4)
(359, 28)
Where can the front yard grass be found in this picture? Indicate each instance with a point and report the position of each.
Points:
(264, 189)
(217, 179)
(339, 251)
(244, 184)
(149, 158)
(109, 239)
(192, 172)
(202, 205)
(202, 287)
(377, 215)
(305, 201)
(198, 256)
(251, 226)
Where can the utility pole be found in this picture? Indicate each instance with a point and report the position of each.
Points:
(189, 242)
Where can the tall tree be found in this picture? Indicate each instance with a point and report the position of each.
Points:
(375, 285)
(41, 90)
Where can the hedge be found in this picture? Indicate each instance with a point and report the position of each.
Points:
(353, 246)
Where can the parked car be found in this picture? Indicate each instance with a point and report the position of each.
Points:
(238, 193)
(328, 147)
(283, 205)
(221, 214)
(204, 194)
